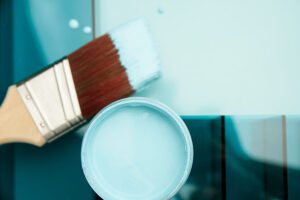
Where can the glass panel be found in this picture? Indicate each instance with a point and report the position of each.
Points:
(293, 156)
(230, 56)
(255, 158)
(205, 179)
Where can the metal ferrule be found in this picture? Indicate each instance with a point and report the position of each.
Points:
(51, 99)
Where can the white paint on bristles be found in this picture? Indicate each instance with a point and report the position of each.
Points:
(137, 52)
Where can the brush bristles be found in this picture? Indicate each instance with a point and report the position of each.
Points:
(113, 66)
(98, 76)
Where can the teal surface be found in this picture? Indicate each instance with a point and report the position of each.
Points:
(34, 34)
(222, 168)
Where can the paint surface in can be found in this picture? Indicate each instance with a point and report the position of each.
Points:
(136, 151)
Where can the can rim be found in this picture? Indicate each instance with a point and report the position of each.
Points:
(105, 112)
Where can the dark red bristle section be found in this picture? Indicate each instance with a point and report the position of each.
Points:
(98, 75)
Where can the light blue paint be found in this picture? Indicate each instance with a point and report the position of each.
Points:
(137, 149)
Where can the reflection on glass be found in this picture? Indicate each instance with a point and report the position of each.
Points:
(255, 157)
(205, 179)
(293, 156)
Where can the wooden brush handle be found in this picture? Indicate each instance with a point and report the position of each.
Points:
(16, 124)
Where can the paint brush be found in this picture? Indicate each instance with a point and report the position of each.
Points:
(71, 91)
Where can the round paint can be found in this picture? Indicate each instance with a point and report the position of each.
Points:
(137, 148)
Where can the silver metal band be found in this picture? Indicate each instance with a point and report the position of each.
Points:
(51, 99)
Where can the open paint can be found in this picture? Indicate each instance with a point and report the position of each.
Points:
(137, 148)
